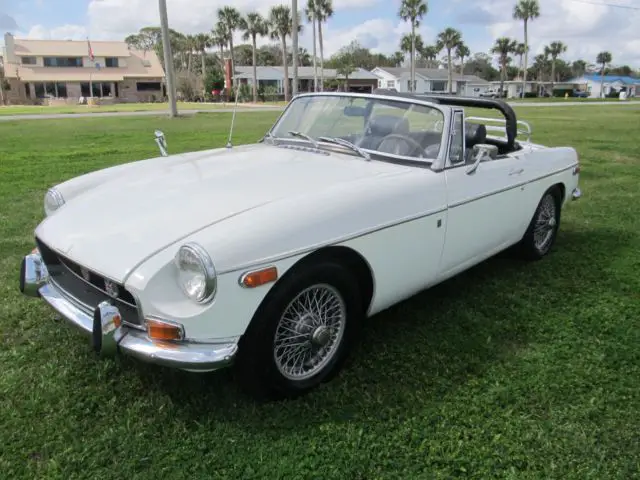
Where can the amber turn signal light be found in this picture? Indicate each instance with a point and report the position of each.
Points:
(259, 277)
(158, 330)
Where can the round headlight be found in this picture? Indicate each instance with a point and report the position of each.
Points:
(53, 200)
(196, 273)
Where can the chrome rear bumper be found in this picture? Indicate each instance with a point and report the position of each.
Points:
(109, 336)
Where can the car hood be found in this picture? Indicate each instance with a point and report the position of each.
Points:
(130, 216)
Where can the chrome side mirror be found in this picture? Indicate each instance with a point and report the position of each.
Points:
(481, 152)
(162, 143)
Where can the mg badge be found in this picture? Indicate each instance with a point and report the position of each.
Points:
(85, 274)
(111, 289)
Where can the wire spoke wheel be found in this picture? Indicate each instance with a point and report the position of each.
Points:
(545, 223)
(309, 332)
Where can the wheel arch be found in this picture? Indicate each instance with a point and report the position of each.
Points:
(345, 256)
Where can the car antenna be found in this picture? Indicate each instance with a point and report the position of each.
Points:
(233, 118)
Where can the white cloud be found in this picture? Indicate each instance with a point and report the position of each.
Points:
(585, 28)
(64, 32)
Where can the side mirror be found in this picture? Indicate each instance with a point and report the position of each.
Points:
(162, 142)
(481, 152)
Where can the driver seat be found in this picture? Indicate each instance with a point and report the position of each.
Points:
(475, 134)
(382, 125)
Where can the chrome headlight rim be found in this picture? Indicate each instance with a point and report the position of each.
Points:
(208, 269)
(53, 200)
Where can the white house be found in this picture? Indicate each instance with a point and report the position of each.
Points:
(359, 80)
(429, 80)
(617, 83)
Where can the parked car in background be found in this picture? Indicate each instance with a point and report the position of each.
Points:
(270, 256)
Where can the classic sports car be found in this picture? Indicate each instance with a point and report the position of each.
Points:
(269, 256)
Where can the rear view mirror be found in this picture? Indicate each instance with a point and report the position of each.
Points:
(481, 152)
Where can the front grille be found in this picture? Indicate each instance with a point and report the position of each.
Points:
(84, 288)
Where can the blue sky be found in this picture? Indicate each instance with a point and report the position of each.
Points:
(584, 27)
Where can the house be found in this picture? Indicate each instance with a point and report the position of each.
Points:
(616, 83)
(61, 71)
(359, 80)
(429, 80)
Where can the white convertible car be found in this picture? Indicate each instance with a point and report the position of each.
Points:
(269, 256)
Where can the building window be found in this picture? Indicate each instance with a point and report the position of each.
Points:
(147, 86)
(391, 83)
(438, 85)
(29, 61)
(62, 61)
(39, 89)
(27, 90)
(100, 89)
(111, 62)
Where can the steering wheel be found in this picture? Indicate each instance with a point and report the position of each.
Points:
(408, 140)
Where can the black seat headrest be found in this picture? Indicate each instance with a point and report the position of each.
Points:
(475, 133)
(383, 125)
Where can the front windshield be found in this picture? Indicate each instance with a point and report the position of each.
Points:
(376, 125)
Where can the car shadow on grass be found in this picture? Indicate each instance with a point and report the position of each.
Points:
(418, 352)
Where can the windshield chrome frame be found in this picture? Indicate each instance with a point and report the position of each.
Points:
(436, 164)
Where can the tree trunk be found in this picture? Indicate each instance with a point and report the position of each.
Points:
(461, 65)
(450, 71)
(233, 63)
(321, 56)
(204, 71)
(315, 70)
(255, 70)
(602, 81)
(526, 52)
(283, 40)
(190, 61)
(503, 72)
(413, 55)
(553, 74)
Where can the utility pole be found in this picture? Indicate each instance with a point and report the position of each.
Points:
(168, 58)
(294, 45)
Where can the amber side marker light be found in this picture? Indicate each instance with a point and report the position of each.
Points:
(158, 330)
(259, 277)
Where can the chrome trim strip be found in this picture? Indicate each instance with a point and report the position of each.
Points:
(510, 187)
(335, 241)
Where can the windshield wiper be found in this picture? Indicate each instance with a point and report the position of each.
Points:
(346, 143)
(303, 135)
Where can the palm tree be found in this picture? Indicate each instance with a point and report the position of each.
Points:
(412, 11)
(408, 44)
(220, 38)
(462, 52)
(526, 10)
(254, 26)
(190, 46)
(310, 12)
(449, 39)
(280, 24)
(520, 51)
(602, 59)
(397, 58)
(578, 68)
(555, 50)
(323, 10)
(202, 41)
(430, 54)
(503, 47)
(232, 20)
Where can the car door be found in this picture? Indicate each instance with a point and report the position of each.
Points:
(484, 206)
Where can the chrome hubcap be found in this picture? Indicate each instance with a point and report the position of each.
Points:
(545, 224)
(309, 332)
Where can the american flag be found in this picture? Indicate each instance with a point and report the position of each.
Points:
(90, 50)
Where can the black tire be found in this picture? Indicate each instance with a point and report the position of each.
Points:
(530, 247)
(257, 370)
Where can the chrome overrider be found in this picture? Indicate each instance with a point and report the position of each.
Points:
(110, 337)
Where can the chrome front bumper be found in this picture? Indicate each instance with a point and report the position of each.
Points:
(109, 336)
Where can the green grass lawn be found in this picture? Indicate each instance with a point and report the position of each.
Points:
(510, 370)
(121, 107)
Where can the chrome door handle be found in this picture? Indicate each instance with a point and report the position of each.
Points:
(516, 172)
